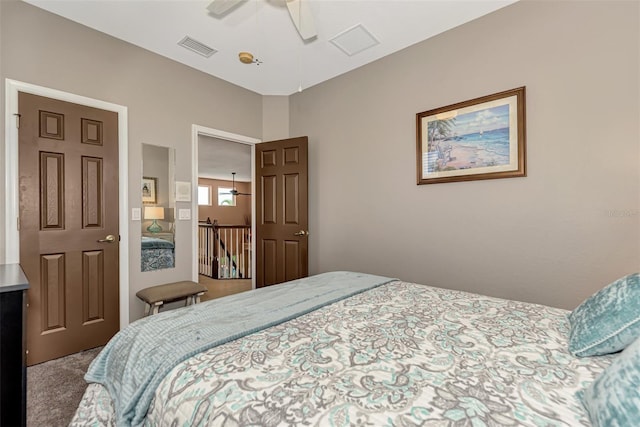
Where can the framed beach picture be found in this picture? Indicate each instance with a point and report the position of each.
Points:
(483, 138)
(149, 189)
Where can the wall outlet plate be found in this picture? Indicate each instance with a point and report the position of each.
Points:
(184, 214)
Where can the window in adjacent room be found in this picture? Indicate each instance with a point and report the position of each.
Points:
(225, 198)
(204, 195)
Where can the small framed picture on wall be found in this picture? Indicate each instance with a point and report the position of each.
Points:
(149, 190)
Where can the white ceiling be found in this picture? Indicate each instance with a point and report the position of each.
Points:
(264, 28)
(218, 158)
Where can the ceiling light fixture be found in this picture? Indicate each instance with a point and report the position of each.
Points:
(247, 58)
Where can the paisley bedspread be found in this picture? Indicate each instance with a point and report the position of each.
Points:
(156, 254)
(401, 354)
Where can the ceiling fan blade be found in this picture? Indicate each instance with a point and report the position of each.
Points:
(302, 17)
(220, 7)
(235, 193)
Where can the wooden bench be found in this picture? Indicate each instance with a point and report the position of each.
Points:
(155, 296)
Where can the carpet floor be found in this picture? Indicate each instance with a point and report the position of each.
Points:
(55, 388)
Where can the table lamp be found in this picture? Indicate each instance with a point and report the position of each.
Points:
(155, 213)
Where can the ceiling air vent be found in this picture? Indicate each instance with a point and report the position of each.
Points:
(197, 47)
(354, 40)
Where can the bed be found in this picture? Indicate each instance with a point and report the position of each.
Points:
(385, 352)
(156, 253)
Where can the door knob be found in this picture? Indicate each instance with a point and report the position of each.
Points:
(301, 233)
(109, 239)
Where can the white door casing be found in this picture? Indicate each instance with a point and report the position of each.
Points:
(216, 133)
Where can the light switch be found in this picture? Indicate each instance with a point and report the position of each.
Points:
(184, 213)
(135, 214)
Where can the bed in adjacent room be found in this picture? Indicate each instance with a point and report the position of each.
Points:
(156, 253)
(344, 348)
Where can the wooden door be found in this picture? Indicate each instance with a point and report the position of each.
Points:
(282, 211)
(68, 172)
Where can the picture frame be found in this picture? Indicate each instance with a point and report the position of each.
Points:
(483, 138)
(149, 190)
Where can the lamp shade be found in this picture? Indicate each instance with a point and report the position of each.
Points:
(154, 212)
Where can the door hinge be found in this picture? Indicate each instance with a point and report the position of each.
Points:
(18, 223)
(17, 119)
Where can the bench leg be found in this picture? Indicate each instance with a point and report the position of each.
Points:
(193, 299)
(147, 307)
(156, 307)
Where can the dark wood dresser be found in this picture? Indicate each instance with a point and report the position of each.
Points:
(13, 370)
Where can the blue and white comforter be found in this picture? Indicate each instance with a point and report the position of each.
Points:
(401, 354)
(156, 254)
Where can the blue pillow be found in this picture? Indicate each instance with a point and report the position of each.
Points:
(613, 399)
(607, 321)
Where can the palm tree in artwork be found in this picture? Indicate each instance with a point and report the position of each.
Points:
(438, 130)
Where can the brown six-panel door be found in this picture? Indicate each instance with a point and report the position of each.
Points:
(68, 225)
(282, 211)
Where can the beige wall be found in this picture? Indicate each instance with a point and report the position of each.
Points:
(275, 118)
(553, 237)
(164, 99)
(226, 215)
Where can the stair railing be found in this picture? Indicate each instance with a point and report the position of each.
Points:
(224, 251)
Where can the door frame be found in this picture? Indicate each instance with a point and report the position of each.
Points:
(12, 192)
(197, 130)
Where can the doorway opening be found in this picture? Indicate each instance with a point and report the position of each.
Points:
(223, 250)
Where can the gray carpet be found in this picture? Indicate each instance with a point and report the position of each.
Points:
(54, 389)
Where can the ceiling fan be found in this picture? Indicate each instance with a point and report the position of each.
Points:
(233, 191)
(299, 10)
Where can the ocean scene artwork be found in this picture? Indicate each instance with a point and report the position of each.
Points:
(482, 138)
(477, 139)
